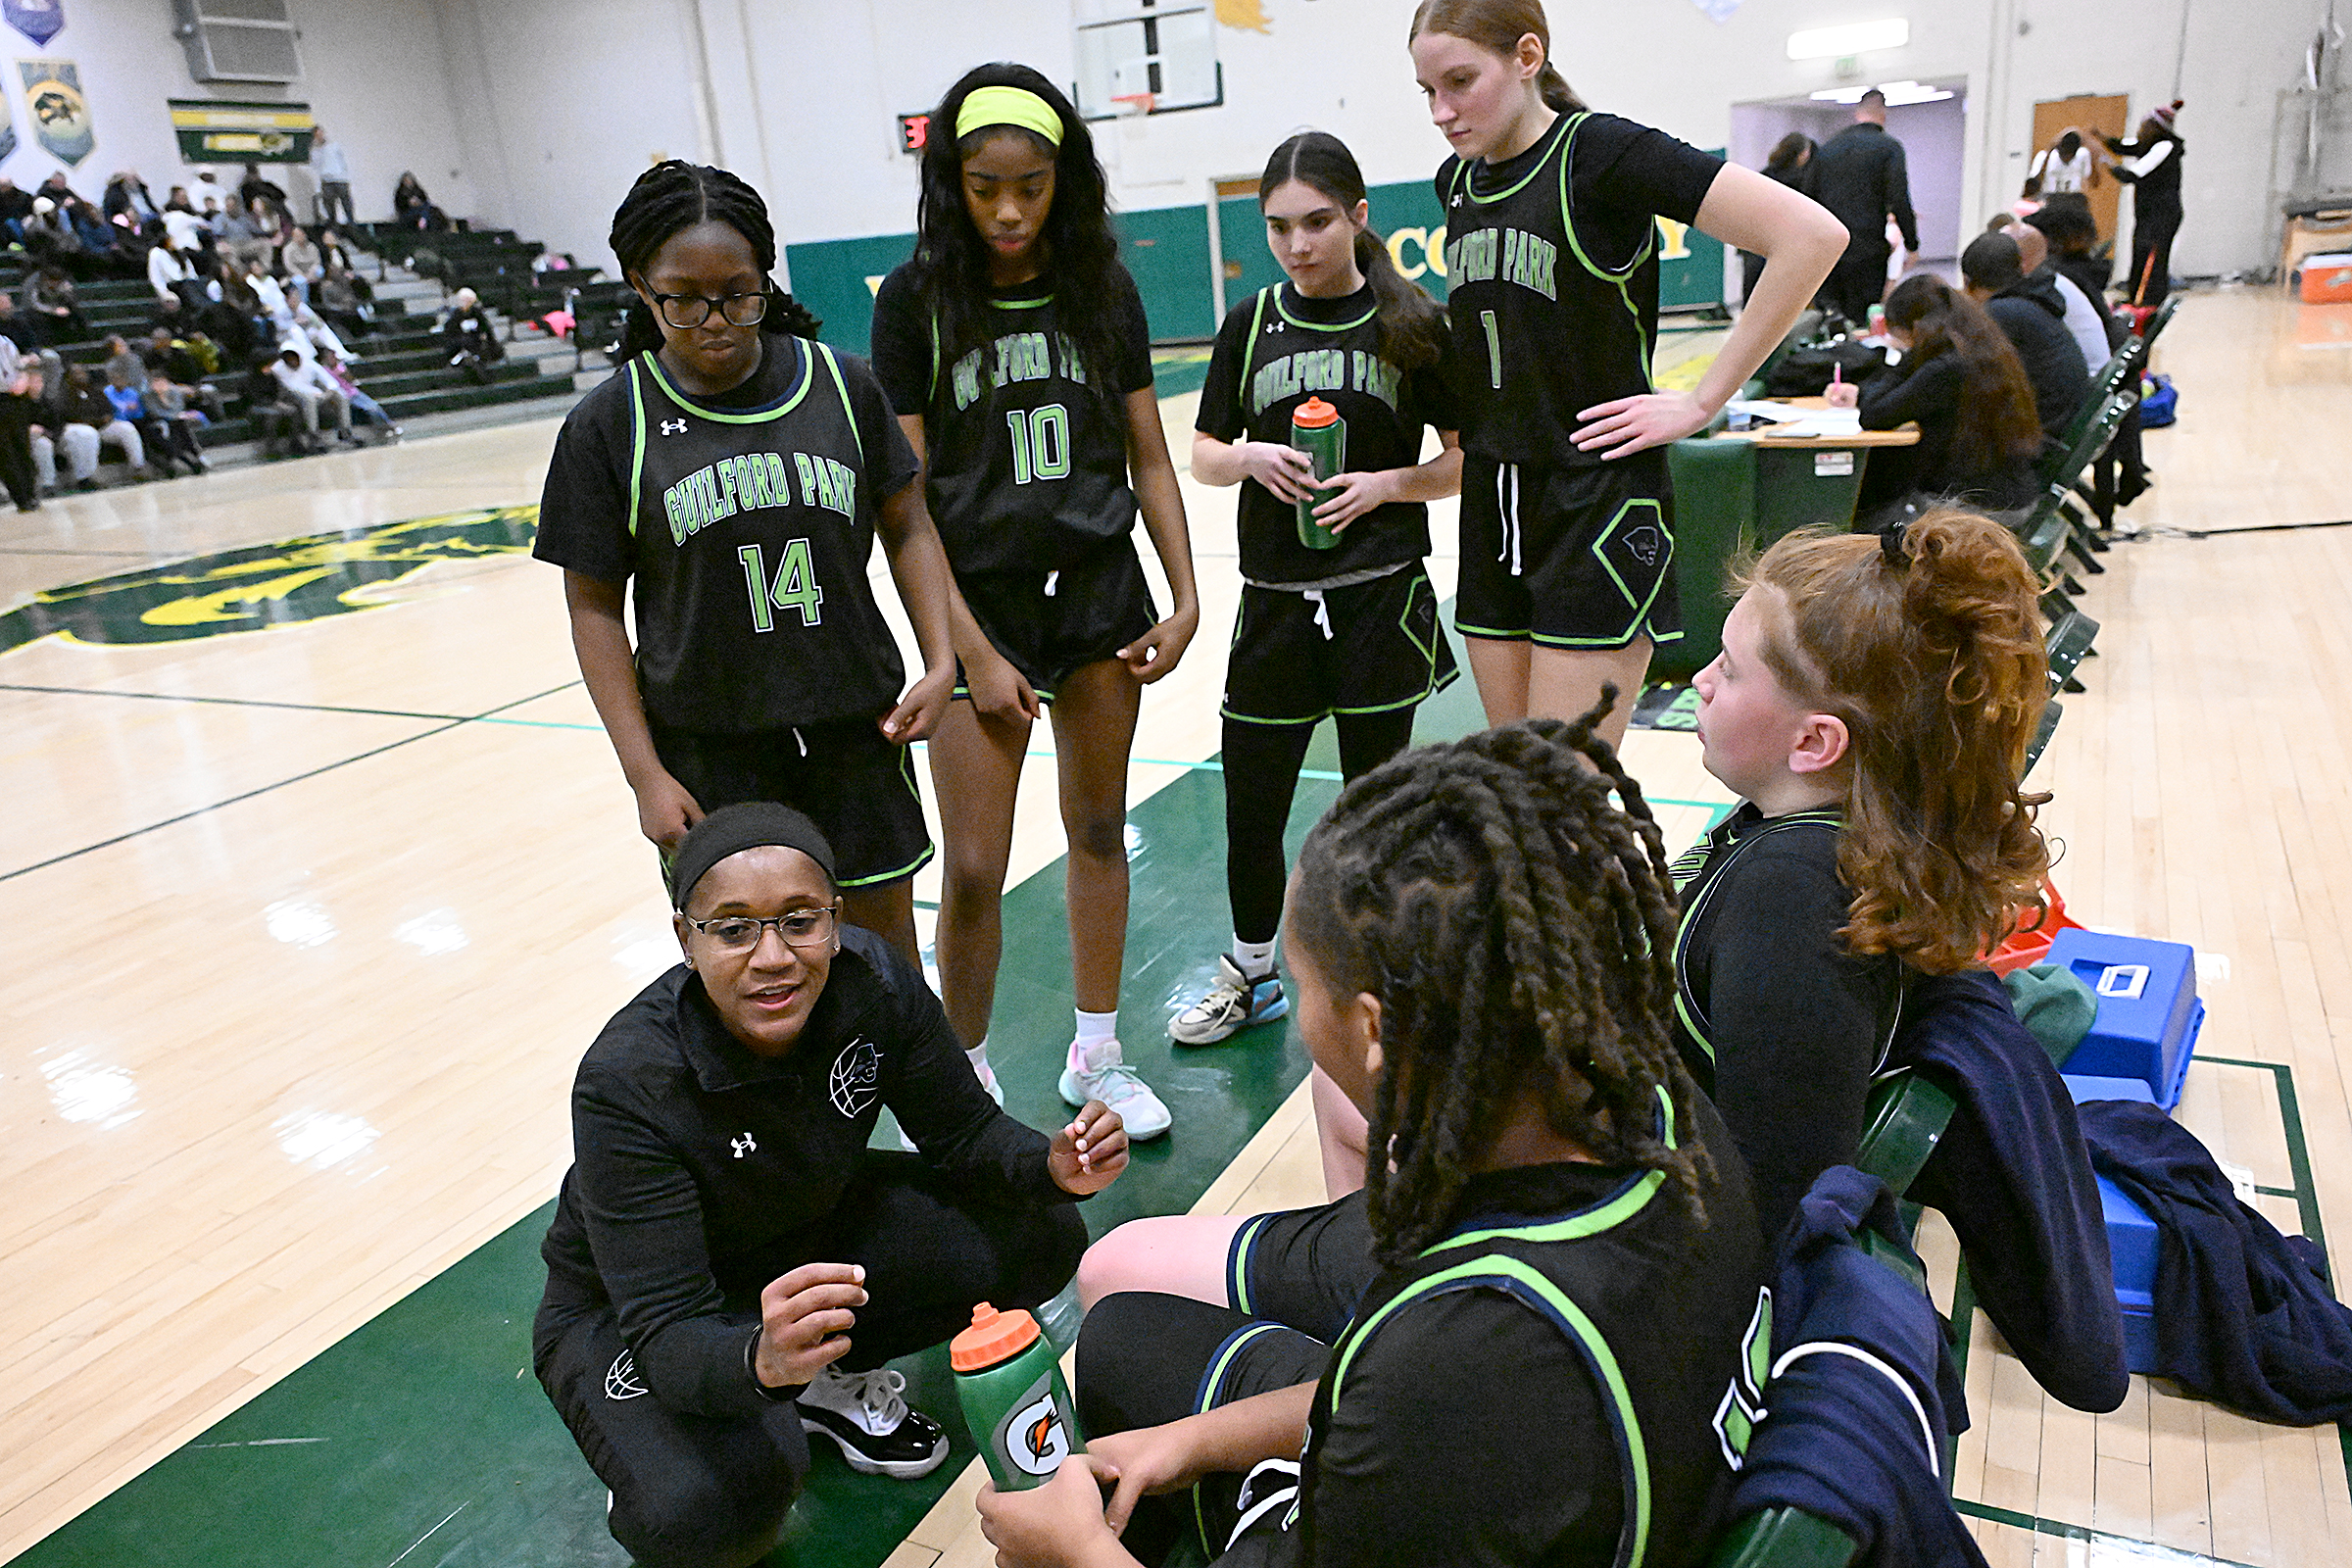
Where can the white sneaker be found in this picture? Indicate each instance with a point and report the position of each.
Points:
(867, 1415)
(1233, 1003)
(987, 1081)
(1112, 1081)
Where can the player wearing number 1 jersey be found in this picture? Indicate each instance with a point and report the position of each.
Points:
(736, 476)
(1015, 351)
(1552, 212)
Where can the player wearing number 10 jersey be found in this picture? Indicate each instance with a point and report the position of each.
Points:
(736, 476)
(1015, 354)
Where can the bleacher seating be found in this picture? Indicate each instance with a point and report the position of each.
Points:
(401, 363)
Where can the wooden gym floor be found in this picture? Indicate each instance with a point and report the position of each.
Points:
(319, 876)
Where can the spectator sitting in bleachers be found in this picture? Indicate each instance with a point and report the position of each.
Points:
(310, 336)
(265, 198)
(466, 332)
(56, 187)
(49, 238)
(169, 274)
(238, 237)
(16, 205)
(128, 203)
(16, 325)
(342, 299)
(185, 229)
(165, 438)
(107, 251)
(49, 299)
(300, 263)
(2029, 313)
(187, 360)
(20, 398)
(362, 405)
(79, 418)
(310, 390)
(276, 417)
(270, 295)
(412, 208)
(172, 402)
(124, 367)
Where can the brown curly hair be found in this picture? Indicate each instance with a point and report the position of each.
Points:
(1931, 651)
(1518, 929)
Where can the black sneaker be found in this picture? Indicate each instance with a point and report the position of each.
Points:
(866, 1414)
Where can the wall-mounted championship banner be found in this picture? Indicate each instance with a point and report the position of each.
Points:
(8, 133)
(215, 131)
(60, 116)
(37, 19)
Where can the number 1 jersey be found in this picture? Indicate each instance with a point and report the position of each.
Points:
(745, 525)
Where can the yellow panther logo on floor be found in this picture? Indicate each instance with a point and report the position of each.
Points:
(266, 586)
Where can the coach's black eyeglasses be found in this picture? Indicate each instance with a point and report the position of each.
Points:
(740, 933)
(688, 311)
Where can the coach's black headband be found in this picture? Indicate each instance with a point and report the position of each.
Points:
(733, 829)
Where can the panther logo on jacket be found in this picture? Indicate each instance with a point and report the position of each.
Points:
(857, 1077)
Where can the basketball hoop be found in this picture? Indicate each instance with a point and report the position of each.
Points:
(1134, 103)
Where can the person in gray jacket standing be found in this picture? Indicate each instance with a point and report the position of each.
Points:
(334, 177)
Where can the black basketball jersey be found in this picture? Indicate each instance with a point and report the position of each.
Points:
(1025, 448)
(1273, 353)
(1548, 319)
(1660, 1308)
(750, 529)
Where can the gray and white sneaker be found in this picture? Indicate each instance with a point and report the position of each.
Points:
(1106, 1077)
(866, 1413)
(1233, 1003)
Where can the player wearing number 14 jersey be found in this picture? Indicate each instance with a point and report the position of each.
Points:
(734, 476)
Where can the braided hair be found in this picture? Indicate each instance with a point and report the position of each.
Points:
(1518, 929)
(672, 197)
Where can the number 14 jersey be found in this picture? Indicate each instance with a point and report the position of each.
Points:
(745, 525)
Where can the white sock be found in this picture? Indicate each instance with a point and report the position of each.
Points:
(977, 1055)
(1255, 960)
(1095, 1029)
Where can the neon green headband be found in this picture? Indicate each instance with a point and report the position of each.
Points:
(1007, 105)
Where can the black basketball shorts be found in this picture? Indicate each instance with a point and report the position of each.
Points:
(1302, 654)
(1049, 624)
(1578, 558)
(854, 785)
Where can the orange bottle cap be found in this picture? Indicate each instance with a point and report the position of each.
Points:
(1314, 414)
(993, 1337)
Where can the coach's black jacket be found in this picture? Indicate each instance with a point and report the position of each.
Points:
(700, 1169)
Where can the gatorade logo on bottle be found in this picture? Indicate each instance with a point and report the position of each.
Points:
(1034, 1436)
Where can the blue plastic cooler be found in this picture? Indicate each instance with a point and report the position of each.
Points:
(2148, 1016)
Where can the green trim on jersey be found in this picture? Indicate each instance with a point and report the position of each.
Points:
(1614, 1210)
(1470, 187)
(1241, 386)
(1319, 326)
(636, 447)
(653, 365)
(1525, 1284)
(1696, 858)
(843, 388)
(1022, 305)
(1620, 279)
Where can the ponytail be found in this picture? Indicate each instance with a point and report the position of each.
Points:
(1411, 326)
(1926, 644)
(1556, 89)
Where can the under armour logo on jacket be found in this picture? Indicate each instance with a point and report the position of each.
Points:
(674, 426)
(741, 1145)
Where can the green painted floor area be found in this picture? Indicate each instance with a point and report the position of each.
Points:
(421, 1438)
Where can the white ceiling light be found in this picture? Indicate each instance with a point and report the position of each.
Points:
(1899, 93)
(1830, 43)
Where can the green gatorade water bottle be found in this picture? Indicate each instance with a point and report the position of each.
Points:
(1014, 1397)
(1317, 430)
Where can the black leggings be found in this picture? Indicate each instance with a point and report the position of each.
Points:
(703, 1492)
(1261, 774)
